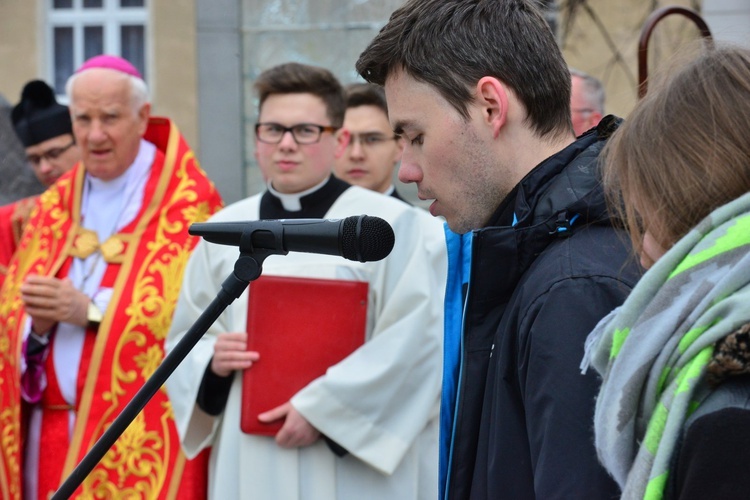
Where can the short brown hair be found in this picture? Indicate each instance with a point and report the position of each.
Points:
(685, 149)
(366, 94)
(296, 78)
(452, 44)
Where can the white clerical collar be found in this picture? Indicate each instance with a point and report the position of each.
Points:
(292, 201)
(106, 208)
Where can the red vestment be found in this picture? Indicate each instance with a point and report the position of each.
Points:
(146, 462)
(13, 218)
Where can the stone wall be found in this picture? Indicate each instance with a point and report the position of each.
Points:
(16, 178)
(328, 33)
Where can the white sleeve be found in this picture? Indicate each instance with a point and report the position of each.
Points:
(377, 401)
(202, 281)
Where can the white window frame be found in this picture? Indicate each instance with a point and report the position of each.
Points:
(111, 17)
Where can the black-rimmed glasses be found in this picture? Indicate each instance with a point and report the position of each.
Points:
(303, 133)
(49, 155)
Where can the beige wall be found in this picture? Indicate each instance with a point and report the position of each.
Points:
(173, 63)
(171, 56)
(18, 46)
(602, 40)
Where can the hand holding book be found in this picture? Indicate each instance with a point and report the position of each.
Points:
(299, 327)
(296, 432)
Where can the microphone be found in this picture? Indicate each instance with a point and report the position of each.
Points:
(361, 237)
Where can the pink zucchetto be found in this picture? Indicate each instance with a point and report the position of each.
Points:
(110, 62)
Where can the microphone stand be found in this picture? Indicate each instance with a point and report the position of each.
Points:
(247, 268)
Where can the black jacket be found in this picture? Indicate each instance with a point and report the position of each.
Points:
(523, 419)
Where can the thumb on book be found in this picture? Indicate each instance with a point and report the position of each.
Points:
(276, 413)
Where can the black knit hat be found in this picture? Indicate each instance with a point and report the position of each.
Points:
(38, 116)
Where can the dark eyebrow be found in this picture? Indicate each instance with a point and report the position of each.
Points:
(399, 126)
(371, 132)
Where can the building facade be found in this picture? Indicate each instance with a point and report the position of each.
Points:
(200, 57)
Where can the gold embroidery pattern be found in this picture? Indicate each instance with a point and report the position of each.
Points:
(36, 248)
(11, 432)
(85, 243)
(42, 241)
(148, 361)
(21, 216)
(145, 452)
(138, 453)
(113, 250)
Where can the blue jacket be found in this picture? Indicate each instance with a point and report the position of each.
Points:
(523, 294)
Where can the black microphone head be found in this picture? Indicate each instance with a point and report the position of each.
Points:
(366, 238)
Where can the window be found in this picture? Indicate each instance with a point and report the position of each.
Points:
(80, 29)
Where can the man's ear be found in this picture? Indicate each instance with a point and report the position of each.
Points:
(143, 115)
(343, 136)
(492, 97)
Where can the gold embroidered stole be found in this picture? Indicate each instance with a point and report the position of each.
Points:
(147, 260)
(13, 219)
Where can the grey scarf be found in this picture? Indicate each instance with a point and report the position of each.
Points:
(653, 350)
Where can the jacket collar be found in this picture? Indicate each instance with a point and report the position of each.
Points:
(563, 192)
(543, 193)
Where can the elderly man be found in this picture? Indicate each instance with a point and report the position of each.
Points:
(373, 150)
(89, 297)
(44, 128)
(586, 101)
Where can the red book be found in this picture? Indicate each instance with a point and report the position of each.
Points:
(300, 327)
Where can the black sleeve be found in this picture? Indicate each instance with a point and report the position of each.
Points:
(36, 344)
(336, 448)
(214, 392)
(714, 459)
(558, 400)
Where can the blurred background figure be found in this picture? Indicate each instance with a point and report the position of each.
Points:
(374, 150)
(44, 129)
(586, 101)
(16, 180)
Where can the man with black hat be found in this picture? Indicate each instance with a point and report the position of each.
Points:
(44, 128)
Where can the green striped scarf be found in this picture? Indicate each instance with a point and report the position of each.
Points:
(654, 349)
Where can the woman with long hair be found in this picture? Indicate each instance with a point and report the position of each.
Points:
(673, 414)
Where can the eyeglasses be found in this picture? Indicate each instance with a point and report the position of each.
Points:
(49, 155)
(582, 110)
(370, 140)
(303, 133)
